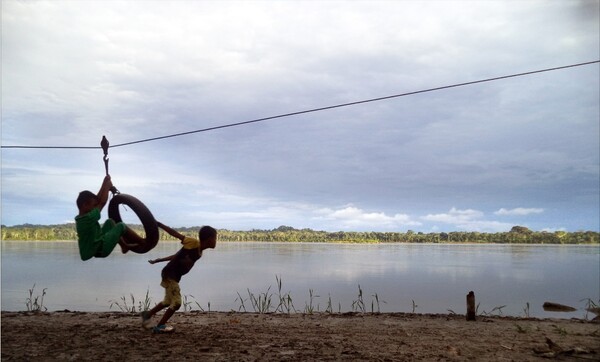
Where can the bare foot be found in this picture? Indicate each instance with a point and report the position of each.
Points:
(126, 247)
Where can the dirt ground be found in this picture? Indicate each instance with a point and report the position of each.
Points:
(220, 336)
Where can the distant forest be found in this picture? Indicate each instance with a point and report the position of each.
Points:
(517, 235)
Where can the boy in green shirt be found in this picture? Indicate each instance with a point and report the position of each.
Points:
(94, 240)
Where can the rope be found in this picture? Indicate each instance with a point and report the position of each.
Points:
(316, 109)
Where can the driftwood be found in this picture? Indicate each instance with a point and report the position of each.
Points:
(555, 307)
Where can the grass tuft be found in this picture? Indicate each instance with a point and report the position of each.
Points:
(124, 306)
(35, 304)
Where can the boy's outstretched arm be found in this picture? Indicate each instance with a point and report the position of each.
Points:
(168, 258)
(103, 192)
(170, 231)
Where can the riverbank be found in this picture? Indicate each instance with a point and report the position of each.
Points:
(222, 336)
(517, 235)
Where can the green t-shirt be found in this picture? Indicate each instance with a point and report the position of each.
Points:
(89, 233)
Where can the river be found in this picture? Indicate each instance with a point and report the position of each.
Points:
(510, 280)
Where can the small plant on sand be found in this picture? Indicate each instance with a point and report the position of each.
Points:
(145, 304)
(329, 308)
(560, 330)
(526, 310)
(359, 305)
(375, 304)
(189, 302)
(35, 304)
(414, 306)
(123, 305)
(497, 310)
(521, 329)
(242, 307)
(186, 303)
(591, 307)
(309, 307)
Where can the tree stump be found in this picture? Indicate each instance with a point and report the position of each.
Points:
(471, 306)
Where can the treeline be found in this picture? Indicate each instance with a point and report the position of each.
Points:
(517, 235)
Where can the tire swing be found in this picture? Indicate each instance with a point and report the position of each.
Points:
(145, 216)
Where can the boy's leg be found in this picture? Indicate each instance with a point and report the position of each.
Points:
(157, 308)
(132, 237)
(146, 316)
(172, 300)
(111, 236)
(168, 314)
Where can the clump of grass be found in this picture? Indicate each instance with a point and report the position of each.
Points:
(264, 302)
(285, 300)
(35, 304)
(123, 305)
(145, 304)
(261, 303)
(130, 307)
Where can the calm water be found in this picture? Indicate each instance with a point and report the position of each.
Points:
(436, 277)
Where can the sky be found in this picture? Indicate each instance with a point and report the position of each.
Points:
(485, 157)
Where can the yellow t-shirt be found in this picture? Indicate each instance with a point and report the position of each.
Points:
(184, 260)
(190, 243)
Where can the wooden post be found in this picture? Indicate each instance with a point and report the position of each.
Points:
(471, 306)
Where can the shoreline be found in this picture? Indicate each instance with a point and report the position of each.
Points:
(223, 336)
(332, 242)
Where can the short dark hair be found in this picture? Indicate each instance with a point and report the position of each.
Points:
(84, 197)
(207, 232)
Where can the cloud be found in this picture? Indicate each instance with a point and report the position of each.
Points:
(73, 71)
(354, 218)
(468, 220)
(520, 211)
(455, 216)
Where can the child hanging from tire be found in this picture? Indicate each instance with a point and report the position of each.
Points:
(179, 264)
(95, 240)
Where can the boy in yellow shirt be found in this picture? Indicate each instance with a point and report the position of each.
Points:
(179, 264)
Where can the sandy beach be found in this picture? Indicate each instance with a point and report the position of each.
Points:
(221, 336)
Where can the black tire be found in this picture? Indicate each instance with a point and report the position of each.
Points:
(145, 216)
